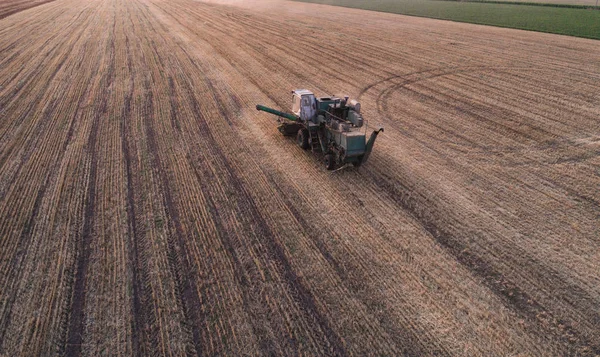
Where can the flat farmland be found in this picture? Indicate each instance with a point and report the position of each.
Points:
(147, 208)
(9, 7)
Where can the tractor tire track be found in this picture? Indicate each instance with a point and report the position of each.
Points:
(141, 298)
(180, 266)
(76, 327)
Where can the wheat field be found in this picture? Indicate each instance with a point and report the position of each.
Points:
(147, 208)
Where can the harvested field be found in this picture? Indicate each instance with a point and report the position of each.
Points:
(9, 7)
(147, 208)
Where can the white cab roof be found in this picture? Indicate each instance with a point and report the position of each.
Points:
(302, 92)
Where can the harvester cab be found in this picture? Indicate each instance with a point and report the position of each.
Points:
(304, 105)
(330, 125)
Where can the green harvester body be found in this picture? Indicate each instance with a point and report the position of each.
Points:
(329, 125)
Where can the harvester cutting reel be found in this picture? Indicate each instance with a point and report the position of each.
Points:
(329, 125)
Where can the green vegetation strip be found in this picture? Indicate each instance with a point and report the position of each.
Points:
(572, 21)
(502, 2)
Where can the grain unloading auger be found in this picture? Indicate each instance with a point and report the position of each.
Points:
(329, 125)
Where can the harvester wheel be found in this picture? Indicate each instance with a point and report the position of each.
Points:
(302, 138)
(329, 162)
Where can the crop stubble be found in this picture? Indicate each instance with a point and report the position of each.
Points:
(146, 207)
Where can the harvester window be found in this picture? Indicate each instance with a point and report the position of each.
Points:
(296, 104)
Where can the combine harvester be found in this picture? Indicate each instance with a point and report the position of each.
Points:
(328, 125)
